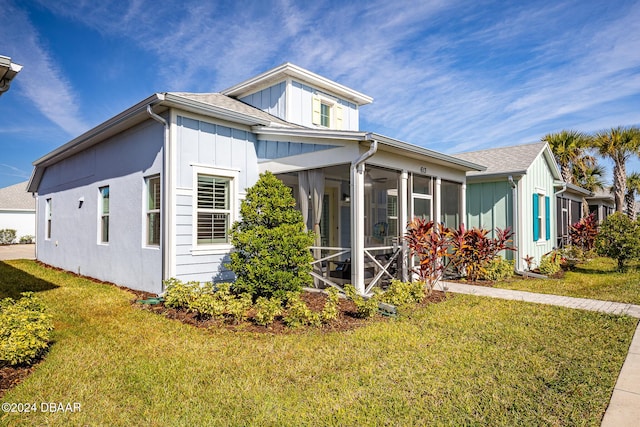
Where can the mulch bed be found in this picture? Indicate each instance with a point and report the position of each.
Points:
(11, 376)
(347, 318)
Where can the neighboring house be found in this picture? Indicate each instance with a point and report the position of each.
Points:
(8, 71)
(18, 210)
(151, 193)
(518, 190)
(570, 207)
(602, 204)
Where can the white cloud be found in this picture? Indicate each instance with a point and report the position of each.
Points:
(40, 79)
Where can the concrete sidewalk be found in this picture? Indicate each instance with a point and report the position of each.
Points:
(624, 407)
(17, 252)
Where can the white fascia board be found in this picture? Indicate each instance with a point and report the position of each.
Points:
(287, 69)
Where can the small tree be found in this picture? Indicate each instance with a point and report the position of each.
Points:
(271, 254)
(619, 238)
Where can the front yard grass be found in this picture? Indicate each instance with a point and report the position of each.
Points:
(465, 361)
(594, 279)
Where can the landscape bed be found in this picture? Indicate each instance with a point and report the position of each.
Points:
(466, 360)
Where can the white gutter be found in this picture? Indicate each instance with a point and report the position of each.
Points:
(564, 188)
(357, 215)
(165, 241)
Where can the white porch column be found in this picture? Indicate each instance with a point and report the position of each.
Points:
(357, 228)
(437, 201)
(403, 218)
(463, 204)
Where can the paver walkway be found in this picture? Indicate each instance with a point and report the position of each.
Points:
(624, 407)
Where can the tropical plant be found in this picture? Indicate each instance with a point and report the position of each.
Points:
(583, 233)
(429, 242)
(473, 249)
(618, 144)
(619, 238)
(590, 177)
(633, 189)
(271, 255)
(569, 148)
(498, 269)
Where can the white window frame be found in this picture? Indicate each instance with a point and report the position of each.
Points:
(335, 112)
(48, 221)
(102, 215)
(230, 174)
(149, 212)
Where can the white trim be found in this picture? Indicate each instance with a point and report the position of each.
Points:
(233, 176)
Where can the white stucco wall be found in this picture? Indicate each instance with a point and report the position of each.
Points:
(23, 221)
(122, 163)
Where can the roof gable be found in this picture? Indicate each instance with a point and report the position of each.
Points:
(288, 70)
(512, 160)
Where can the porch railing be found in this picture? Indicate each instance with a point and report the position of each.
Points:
(383, 261)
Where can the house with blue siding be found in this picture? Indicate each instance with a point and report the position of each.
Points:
(152, 193)
(521, 188)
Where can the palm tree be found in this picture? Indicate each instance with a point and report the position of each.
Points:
(618, 144)
(633, 188)
(568, 147)
(589, 177)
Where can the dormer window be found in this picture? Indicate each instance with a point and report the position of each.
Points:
(327, 112)
(325, 115)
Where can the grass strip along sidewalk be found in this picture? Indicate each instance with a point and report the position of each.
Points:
(466, 360)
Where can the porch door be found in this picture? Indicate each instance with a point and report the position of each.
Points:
(422, 207)
(329, 221)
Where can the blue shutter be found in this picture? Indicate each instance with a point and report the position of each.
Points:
(536, 232)
(547, 217)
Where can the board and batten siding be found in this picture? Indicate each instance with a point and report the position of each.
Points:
(271, 99)
(538, 180)
(490, 206)
(207, 145)
(299, 109)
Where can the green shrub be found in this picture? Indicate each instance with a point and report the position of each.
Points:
(237, 307)
(179, 294)
(299, 314)
(498, 269)
(550, 263)
(365, 307)
(27, 239)
(7, 236)
(208, 305)
(619, 238)
(403, 293)
(267, 309)
(25, 329)
(271, 255)
(330, 310)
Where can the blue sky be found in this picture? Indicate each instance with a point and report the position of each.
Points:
(448, 75)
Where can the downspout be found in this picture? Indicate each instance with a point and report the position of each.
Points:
(516, 224)
(165, 199)
(357, 215)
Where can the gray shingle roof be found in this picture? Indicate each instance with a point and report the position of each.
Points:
(503, 160)
(16, 197)
(223, 101)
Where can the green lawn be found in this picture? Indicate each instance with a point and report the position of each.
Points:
(594, 279)
(465, 361)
